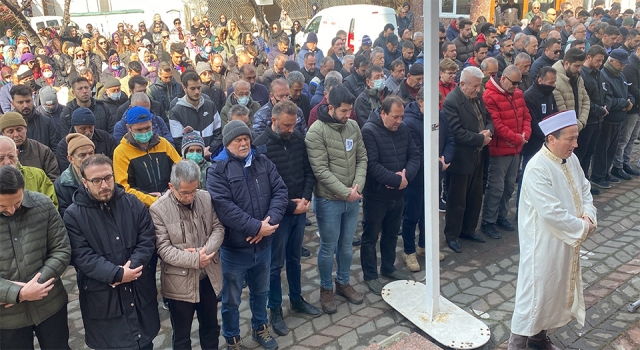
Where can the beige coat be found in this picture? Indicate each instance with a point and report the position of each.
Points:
(563, 94)
(178, 228)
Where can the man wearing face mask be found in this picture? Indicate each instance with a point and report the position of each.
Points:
(279, 92)
(112, 95)
(39, 128)
(49, 106)
(143, 160)
(141, 99)
(373, 95)
(240, 95)
(84, 122)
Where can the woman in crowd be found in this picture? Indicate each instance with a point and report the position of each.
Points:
(191, 46)
(218, 48)
(149, 64)
(234, 38)
(207, 50)
(102, 48)
(49, 77)
(115, 69)
(126, 49)
(10, 57)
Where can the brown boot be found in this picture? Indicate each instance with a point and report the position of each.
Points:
(347, 291)
(327, 301)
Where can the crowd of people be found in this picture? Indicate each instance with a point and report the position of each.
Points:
(206, 147)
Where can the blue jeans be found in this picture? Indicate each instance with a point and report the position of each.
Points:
(236, 267)
(337, 222)
(286, 246)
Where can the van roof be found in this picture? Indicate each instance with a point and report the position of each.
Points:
(360, 7)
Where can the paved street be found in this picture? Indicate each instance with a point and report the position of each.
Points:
(481, 280)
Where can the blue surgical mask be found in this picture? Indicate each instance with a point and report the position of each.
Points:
(194, 156)
(115, 96)
(243, 100)
(143, 137)
(378, 84)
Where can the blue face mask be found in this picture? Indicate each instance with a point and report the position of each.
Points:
(378, 84)
(115, 96)
(194, 156)
(243, 100)
(143, 137)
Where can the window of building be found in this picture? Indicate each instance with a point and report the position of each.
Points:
(455, 8)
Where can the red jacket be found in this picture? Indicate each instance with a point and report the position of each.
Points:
(445, 89)
(510, 117)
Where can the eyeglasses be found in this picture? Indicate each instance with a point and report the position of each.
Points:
(188, 194)
(165, 37)
(81, 56)
(202, 29)
(193, 40)
(442, 38)
(11, 157)
(514, 83)
(102, 43)
(557, 52)
(98, 180)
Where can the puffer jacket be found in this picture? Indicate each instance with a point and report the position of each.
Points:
(164, 93)
(32, 240)
(104, 120)
(464, 48)
(367, 101)
(178, 228)
(204, 119)
(337, 156)
(632, 73)
(291, 160)
(620, 95)
(388, 152)
(54, 115)
(563, 94)
(243, 194)
(232, 101)
(104, 236)
(510, 117)
(37, 181)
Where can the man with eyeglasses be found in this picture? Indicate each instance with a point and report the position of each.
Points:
(35, 179)
(279, 92)
(113, 251)
(143, 159)
(535, 11)
(505, 102)
(79, 147)
(552, 50)
(579, 32)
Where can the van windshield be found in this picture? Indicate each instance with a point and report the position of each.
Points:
(313, 26)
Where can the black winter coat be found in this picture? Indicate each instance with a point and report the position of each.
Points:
(244, 196)
(41, 129)
(104, 236)
(156, 108)
(541, 104)
(542, 61)
(599, 95)
(104, 120)
(114, 105)
(355, 83)
(388, 152)
(102, 140)
(632, 73)
(291, 161)
(620, 94)
(164, 93)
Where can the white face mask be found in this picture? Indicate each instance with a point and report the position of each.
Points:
(47, 74)
(208, 49)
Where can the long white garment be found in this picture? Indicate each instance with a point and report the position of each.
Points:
(555, 195)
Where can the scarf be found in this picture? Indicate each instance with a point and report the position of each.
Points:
(616, 72)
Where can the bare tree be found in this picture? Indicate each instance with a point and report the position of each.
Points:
(17, 12)
(66, 17)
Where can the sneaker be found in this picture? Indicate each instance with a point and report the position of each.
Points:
(356, 242)
(419, 251)
(374, 286)
(277, 321)
(620, 174)
(302, 306)
(327, 301)
(505, 224)
(602, 184)
(411, 261)
(234, 343)
(630, 170)
(347, 291)
(396, 275)
(262, 336)
(442, 206)
(490, 230)
(612, 179)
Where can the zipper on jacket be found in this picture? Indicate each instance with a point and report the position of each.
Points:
(184, 235)
(147, 169)
(158, 167)
(258, 185)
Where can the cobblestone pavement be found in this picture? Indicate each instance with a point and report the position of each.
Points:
(480, 280)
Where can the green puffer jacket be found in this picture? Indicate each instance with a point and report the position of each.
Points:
(337, 156)
(34, 239)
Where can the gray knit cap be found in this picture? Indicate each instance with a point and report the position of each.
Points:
(234, 129)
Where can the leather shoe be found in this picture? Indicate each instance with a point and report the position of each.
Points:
(356, 242)
(302, 306)
(396, 275)
(505, 224)
(490, 230)
(305, 253)
(629, 170)
(308, 222)
(474, 237)
(612, 179)
(595, 191)
(277, 322)
(454, 245)
(620, 173)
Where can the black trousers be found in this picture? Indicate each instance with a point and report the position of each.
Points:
(464, 200)
(182, 317)
(53, 334)
(587, 141)
(605, 151)
(384, 218)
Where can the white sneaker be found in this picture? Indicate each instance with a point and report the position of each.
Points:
(411, 261)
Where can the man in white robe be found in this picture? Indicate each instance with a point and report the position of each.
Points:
(556, 215)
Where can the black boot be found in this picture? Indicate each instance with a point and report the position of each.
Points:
(277, 322)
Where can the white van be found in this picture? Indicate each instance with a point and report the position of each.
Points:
(356, 20)
(46, 21)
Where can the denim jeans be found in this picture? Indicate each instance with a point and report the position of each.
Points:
(628, 134)
(236, 267)
(383, 218)
(286, 246)
(337, 222)
(413, 215)
(181, 314)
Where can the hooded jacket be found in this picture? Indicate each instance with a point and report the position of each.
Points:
(54, 115)
(541, 104)
(337, 156)
(103, 142)
(511, 119)
(34, 240)
(388, 152)
(158, 126)
(65, 186)
(244, 192)
(41, 129)
(36, 180)
(104, 119)
(565, 98)
(140, 171)
(204, 119)
(104, 236)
